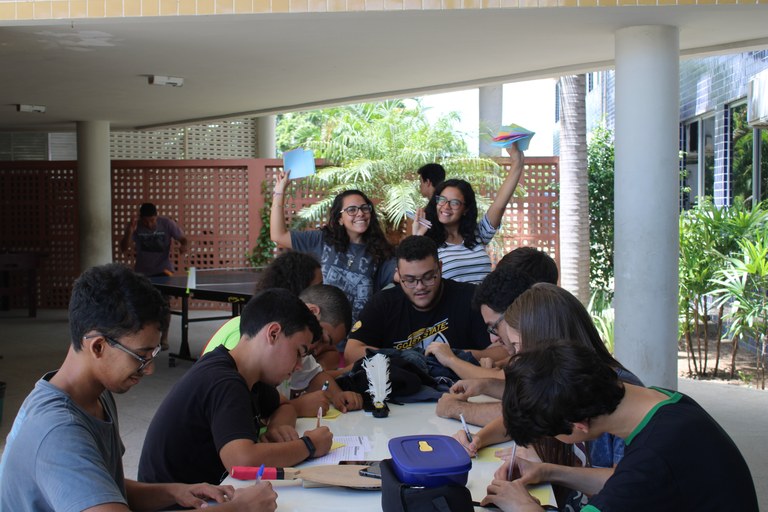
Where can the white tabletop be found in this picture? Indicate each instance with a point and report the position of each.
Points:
(403, 420)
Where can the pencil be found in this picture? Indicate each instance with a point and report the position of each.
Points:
(511, 467)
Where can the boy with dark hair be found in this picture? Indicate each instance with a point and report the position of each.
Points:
(228, 395)
(430, 176)
(537, 264)
(64, 451)
(334, 313)
(676, 458)
(424, 310)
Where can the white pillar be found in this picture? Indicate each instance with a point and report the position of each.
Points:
(646, 199)
(94, 193)
(490, 103)
(266, 136)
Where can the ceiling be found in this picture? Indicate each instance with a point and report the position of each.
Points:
(238, 65)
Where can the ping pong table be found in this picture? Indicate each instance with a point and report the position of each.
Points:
(234, 287)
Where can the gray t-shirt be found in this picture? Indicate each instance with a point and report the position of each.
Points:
(352, 271)
(153, 247)
(60, 458)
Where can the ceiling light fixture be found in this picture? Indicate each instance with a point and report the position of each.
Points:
(40, 109)
(173, 81)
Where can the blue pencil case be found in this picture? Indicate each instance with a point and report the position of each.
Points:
(429, 460)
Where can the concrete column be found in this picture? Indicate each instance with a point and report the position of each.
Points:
(94, 193)
(266, 136)
(646, 198)
(490, 102)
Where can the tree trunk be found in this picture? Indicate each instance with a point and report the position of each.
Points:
(719, 338)
(574, 191)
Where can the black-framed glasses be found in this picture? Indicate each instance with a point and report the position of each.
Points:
(453, 203)
(493, 328)
(428, 279)
(352, 210)
(145, 361)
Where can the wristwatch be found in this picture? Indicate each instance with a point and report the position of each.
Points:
(310, 446)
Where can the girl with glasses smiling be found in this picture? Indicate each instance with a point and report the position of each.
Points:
(452, 212)
(353, 251)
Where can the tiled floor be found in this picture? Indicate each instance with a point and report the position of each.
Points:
(30, 347)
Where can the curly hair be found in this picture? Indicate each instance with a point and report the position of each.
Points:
(468, 222)
(116, 301)
(335, 235)
(549, 388)
(291, 270)
(500, 288)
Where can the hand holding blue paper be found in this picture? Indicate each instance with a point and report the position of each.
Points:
(301, 162)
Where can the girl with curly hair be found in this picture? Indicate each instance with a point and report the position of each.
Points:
(452, 212)
(353, 251)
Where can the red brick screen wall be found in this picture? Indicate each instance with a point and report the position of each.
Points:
(217, 203)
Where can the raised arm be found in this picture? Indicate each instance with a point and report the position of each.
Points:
(278, 231)
(507, 188)
(126, 240)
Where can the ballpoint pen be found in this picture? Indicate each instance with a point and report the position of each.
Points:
(325, 386)
(466, 429)
(511, 467)
(260, 473)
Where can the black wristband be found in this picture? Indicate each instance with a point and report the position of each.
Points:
(310, 446)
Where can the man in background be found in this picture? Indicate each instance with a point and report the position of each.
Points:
(431, 175)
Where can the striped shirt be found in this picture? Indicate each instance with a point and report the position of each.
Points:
(468, 265)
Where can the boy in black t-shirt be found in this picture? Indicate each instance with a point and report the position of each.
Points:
(423, 309)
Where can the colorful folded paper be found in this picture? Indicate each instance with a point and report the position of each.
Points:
(512, 133)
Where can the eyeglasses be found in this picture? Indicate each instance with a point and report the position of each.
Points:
(492, 329)
(453, 203)
(352, 210)
(427, 280)
(145, 361)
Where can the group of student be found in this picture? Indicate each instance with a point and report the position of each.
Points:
(583, 422)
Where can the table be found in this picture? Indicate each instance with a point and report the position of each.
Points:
(233, 286)
(403, 420)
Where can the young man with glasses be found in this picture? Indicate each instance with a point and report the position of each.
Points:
(64, 451)
(424, 309)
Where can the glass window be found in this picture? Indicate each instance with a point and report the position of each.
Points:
(741, 154)
(707, 165)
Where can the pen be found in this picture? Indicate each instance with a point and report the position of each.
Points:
(325, 386)
(319, 415)
(511, 462)
(423, 222)
(260, 473)
(466, 429)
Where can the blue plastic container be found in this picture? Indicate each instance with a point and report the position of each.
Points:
(429, 460)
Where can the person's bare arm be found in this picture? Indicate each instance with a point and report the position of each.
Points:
(464, 369)
(278, 231)
(450, 406)
(504, 194)
(495, 352)
(355, 350)
(125, 242)
(183, 244)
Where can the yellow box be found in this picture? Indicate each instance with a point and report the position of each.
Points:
(114, 8)
(132, 8)
(59, 9)
(205, 7)
(225, 6)
(41, 10)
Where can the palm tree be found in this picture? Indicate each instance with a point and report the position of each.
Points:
(574, 189)
(378, 147)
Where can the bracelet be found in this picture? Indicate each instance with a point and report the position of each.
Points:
(310, 446)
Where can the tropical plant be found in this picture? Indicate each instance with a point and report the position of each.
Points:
(377, 148)
(710, 239)
(600, 159)
(603, 316)
(264, 250)
(744, 286)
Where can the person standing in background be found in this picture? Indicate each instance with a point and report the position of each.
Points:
(152, 236)
(430, 176)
